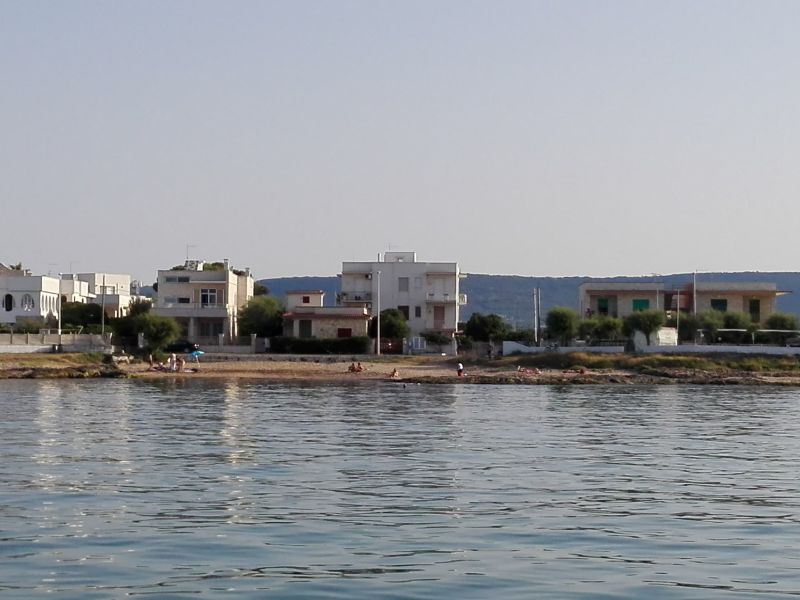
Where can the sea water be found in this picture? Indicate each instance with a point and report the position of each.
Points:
(207, 489)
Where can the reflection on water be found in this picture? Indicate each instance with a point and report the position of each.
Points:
(182, 489)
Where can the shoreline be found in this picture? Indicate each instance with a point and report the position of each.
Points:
(412, 370)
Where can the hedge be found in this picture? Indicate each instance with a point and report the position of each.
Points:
(293, 345)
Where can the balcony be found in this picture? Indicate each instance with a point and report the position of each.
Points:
(191, 309)
(440, 298)
(359, 297)
(462, 299)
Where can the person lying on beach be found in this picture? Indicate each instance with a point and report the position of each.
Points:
(526, 371)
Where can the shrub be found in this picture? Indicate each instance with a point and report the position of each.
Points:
(292, 345)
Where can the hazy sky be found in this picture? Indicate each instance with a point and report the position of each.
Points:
(531, 138)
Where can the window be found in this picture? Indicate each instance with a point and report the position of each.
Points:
(404, 310)
(720, 304)
(306, 300)
(417, 283)
(184, 300)
(602, 306)
(8, 302)
(343, 332)
(402, 284)
(640, 304)
(209, 297)
(418, 312)
(27, 303)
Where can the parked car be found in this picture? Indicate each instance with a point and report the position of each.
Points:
(182, 346)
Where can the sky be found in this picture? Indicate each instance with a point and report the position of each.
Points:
(532, 138)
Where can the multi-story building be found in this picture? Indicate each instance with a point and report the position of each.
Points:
(110, 290)
(426, 293)
(204, 298)
(26, 298)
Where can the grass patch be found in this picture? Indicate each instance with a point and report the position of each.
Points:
(637, 363)
(41, 360)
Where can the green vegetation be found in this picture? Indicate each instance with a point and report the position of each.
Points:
(262, 315)
(780, 320)
(158, 331)
(562, 324)
(600, 328)
(646, 321)
(393, 325)
(292, 345)
(657, 362)
(485, 328)
(78, 314)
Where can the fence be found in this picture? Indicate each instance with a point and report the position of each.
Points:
(51, 342)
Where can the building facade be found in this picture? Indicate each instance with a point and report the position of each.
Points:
(426, 293)
(756, 299)
(110, 290)
(619, 299)
(28, 299)
(307, 317)
(204, 298)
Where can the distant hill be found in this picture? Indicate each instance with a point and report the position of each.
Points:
(512, 296)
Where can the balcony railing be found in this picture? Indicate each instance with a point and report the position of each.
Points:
(355, 297)
(193, 305)
(440, 297)
(462, 299)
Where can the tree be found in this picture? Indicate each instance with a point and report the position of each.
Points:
(437, 338)
(260, 289)
(158, 331)
(262, 315)
(688, 326)
(485, 328)
(736, 320)
(139, 306)
(78, 314)
(393, 325)
(600, 328)
(646, 321)
(562, 324)
(780, 320)
(710, 322)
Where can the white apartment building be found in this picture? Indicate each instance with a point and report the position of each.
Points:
(427, 293)
(204, 298)
(26, 298)
(110, 290)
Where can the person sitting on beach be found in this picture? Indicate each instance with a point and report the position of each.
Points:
(460, 370)
(395, 374)
(352, 367)
(359, 368)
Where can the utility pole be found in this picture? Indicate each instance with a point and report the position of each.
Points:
(378, 300)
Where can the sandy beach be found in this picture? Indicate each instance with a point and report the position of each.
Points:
(416, 369)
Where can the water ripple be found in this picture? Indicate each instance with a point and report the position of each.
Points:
(199, 489)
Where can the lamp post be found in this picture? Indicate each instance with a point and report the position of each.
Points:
(378, 301)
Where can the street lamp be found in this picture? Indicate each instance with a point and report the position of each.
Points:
(378, 300)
